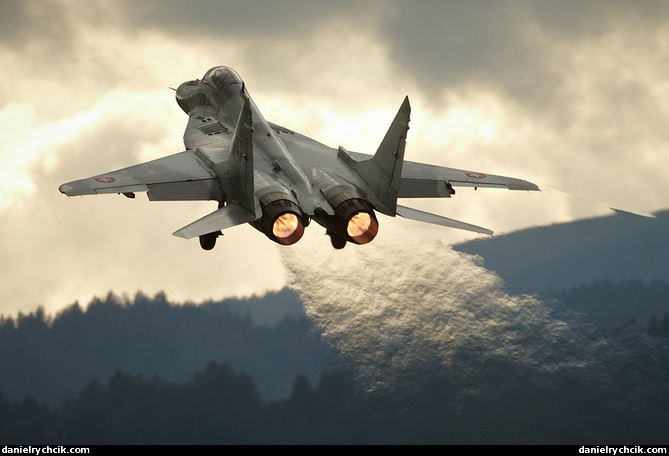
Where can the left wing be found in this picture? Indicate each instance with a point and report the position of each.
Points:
(420, 180)
(177, 177)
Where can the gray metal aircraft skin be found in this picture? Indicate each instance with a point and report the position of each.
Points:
(279, 180)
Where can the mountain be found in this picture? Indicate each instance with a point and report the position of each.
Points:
(554, 259)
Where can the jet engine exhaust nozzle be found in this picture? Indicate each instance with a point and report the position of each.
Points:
(287, 228)
(354, 221)
(282, 221)
(362, 227)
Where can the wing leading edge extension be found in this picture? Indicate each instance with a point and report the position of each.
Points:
(236, 175)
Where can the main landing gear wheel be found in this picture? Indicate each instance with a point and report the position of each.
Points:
(337, 242)
(208, 241)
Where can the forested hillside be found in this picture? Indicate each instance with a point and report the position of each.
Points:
(215, 406)
(140, 371)
(610, 303)
(54, 357)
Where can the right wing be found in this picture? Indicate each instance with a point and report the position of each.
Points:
(192, 175)
(177, 177)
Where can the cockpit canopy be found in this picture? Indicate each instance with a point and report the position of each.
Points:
(220, 77)
(214, 89)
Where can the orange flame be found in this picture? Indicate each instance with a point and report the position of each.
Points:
(362, 227)
(287, 228)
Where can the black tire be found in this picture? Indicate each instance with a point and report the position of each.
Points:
(208, 241)
(337, 242)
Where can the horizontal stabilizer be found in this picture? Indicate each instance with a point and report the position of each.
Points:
(415, 214)
(225, 217)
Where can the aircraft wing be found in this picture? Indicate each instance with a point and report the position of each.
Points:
(420, 180)
(428, 181)
(177, 177)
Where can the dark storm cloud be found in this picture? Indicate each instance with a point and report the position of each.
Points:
(22, 21)
(525, 52)
(242, 19)
(59, 22)
(509, 46)
(512, 47)
(49, 27)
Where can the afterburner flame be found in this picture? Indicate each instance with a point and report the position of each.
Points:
(287, 228)
(285, 225)
(358, 224)
(362, 227)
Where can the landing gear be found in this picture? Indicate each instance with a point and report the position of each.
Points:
(208, 241)
(337, 242)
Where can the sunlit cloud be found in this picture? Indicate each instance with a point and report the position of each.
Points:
(569, 96)
(24, 142)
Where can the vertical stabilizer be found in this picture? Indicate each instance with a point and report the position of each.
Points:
(382, 172)
(236, 173)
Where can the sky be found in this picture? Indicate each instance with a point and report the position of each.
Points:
(570, 95)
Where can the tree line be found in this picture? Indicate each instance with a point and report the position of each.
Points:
(609, 302)
(53, 357)
(216, 406)
(146, 371)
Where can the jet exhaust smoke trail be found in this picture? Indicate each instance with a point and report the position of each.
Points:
(404, 313)
(397, 306)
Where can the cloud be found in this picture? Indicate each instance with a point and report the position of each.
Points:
(66, 249)
(567, 95)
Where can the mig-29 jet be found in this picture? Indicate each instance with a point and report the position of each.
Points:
(278, 180)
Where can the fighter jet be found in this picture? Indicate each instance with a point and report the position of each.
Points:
(278, 180)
